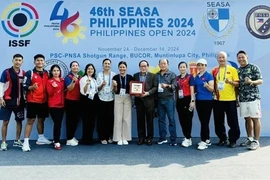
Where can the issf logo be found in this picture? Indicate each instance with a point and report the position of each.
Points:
(66, 23)
(19, 20)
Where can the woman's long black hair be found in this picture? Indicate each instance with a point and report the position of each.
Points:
(51, 70)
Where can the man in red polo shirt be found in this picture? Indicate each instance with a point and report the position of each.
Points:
(35, 85)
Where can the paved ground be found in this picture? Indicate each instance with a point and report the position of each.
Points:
(130, 162)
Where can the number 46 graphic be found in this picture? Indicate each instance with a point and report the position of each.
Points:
(65, 22)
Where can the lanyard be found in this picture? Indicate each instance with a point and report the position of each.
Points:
(224, 77)
(109, 83)
(125, 79)
(94, 85)
(91, 84)
(88, 78)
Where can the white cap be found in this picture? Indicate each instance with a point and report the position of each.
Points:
(202, 61)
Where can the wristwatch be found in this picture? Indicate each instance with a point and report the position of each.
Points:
(192, 100)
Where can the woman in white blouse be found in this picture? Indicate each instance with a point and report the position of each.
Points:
(106, 103)
(89, 100)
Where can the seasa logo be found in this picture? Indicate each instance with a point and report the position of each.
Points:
(218, 20)
(258, 21)
(19, 20)
(68, 32)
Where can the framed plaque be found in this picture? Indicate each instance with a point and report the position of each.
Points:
(136, 88)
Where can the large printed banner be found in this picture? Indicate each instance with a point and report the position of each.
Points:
(179, 30)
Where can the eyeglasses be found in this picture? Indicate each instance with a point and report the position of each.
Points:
(143, 66)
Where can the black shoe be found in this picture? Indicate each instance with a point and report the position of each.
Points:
(140, 142)
(222, 143)
(149, 142)
(173, 143)
(232, 145)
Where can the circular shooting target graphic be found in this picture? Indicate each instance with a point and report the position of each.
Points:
(19, 19)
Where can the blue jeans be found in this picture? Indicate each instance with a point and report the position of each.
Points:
(166, 106)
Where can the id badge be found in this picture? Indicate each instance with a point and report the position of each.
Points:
(122, 92)
(180, 94)
(91, 95)
(107, 89)
(221, 85)
(160, 89)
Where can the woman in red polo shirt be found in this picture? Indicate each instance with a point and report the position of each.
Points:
(55, 89)
(72, 103)
(185, 102)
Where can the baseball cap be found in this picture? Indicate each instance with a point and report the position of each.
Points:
(202, 61)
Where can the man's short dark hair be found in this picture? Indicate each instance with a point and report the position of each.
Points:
(39, 56)
(241, 52)
(17, 56)
(143, 61)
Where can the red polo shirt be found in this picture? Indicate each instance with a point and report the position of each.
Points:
(184, 84)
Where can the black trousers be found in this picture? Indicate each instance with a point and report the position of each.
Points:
(229, 108)
(185, 116)
(204, 110)
(145, 116)
(57, 117)
(89, 113)
(73, 115)
(105, 119)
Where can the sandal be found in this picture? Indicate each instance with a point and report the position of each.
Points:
(104, 142)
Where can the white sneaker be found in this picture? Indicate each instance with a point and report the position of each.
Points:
(75, 139)
(125, 142)
(187, 142)
(43, 140)
(4, 146)
(26, 147)
(120, 143)
(202, 145)
(162, 141)
(254, 145)
(208, 142)
(72, 142)
(17, 143)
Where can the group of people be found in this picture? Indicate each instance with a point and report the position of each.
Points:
(105, 98)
